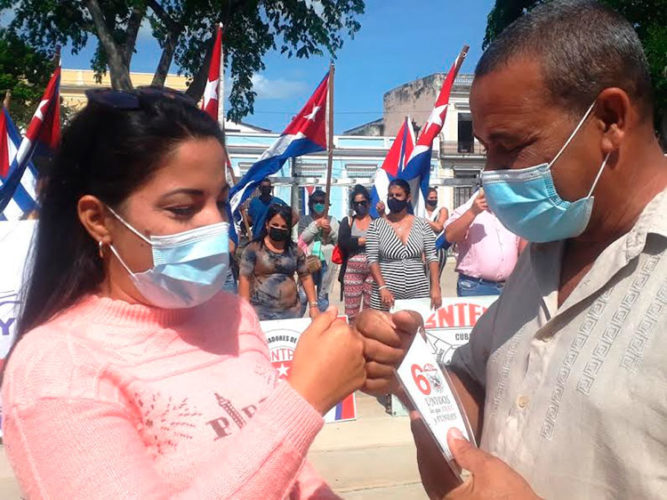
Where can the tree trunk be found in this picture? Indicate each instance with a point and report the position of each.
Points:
(199, 79)
(118, 69)
(165, 61)
(133, 26)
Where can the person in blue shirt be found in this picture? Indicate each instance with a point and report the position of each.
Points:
(259, 206)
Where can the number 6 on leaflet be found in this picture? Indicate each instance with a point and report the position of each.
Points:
(421, 381)
(432, 394)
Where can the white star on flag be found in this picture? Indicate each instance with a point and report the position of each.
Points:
(39, 113)
(436, 115)
(211, 91)
(282, 370)
(313, 113)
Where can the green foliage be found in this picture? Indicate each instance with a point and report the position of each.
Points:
(649, 18)
(24, 73)
(185, 30)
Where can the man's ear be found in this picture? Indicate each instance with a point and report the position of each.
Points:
(93, 215)
(613, 112)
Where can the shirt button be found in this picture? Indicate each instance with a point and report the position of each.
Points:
(522, 401)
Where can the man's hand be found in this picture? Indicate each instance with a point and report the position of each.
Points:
(387, 338)
(491, 478)
(479, 205)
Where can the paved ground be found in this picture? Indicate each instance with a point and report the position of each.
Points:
(371, 458)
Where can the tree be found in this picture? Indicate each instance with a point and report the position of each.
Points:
(184, 30)
(649, 18)
(24, 73)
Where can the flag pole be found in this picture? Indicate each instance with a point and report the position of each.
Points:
(221, 103)
(330, 136)
(221, 82)
(460, 59)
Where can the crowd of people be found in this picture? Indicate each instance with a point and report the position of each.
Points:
(133, 376)
(376, 260)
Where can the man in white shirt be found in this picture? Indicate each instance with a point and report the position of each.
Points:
(565, 376)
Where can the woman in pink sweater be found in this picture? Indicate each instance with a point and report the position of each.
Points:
(132, 377)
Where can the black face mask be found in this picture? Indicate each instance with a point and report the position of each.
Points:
(396, 206)
(265, 190)
(361, 208)
(431, 203)
(277, 234)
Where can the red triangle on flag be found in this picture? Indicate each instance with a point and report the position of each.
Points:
(311, 120)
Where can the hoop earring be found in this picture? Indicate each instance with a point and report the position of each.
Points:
(100, 249)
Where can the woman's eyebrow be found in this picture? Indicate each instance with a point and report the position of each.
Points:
(190, 191)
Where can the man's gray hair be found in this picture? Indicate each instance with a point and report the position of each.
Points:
(583, 46)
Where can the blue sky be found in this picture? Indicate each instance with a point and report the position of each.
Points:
(398, 42)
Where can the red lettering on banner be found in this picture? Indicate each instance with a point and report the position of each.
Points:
(282, 354)
(446, 316)
(459, 314)
(461, 310)
(476, 312)
(430, 321)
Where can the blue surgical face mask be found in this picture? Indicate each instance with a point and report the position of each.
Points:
(189, 268)
(526, 202)
(318, 207)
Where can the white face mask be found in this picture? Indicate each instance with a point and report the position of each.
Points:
(189, 268)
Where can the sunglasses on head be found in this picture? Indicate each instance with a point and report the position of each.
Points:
(127, 100)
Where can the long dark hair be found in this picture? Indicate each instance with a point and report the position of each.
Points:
(283, 211)
(108, 153)
(403, 184)
(359, 190)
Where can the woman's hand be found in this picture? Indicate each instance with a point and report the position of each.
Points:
(436, 297)
(313, 311)
(380, 208)
(387, 298)
(328, 362)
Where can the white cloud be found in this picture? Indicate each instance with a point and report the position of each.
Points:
(316, 5)
(280, 88)
(145, 30)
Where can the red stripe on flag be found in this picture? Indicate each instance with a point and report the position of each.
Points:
(211, 97)
(4, 146)
(348, 408)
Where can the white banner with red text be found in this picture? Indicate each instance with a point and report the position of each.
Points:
(282, 336)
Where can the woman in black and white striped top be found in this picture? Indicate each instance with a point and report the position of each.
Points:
(398, 247)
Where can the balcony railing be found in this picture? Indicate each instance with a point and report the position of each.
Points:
(462, 148)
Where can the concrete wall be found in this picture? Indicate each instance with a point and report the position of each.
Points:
(414, 99)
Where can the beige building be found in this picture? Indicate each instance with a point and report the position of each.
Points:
(460, 156)
(75, 82)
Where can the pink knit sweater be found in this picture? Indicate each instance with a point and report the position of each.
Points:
(113, 400)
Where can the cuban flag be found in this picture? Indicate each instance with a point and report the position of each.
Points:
(418, 169)
(211, 101)
(305, 134)
(24, 199)
(393, 165)
(344, 410)
(41, 138)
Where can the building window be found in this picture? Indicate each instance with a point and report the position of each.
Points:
(361, 170)
(244, 167)
(467, 185)
(466, 139)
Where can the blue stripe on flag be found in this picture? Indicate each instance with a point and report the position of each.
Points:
(268, 166)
